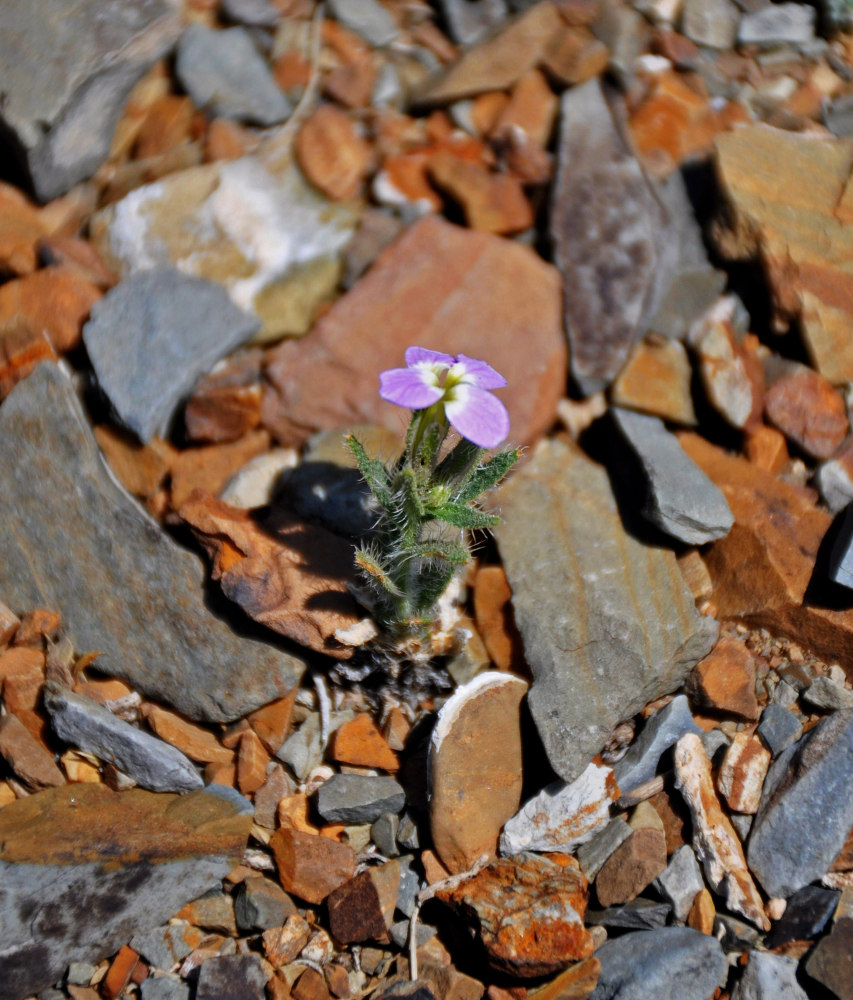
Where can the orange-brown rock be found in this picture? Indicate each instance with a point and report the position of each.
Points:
(20, 660)
(27, 758)
(103, 690)
(696, 575)
(209, 468)
(675, 818)
(252, 760)
(439, 285)
(725, 680)
(656, 379)
(78, 768)
(310, 866)
(532, 107)
(575, 55)
(337, 979)
(528, 912)
(495, 621)
(78, 256)
(765, 447)
(351, 84)
(702, 913)
(9, 624)
(362, 909)
(167, 124)
(285, 573)
(636, 862)
(360, 742)
(37, 626)
(574, 983)
(310, 986)
(272, 722)
(195, 741)
(742, 773)
(140, 468)
(54, 300)
(21, 227)
(808, 411)
(22, 697)
(227, 140)
(332, 154)
(493, 203)
(283, 944)
(119, 973)
(23, 345)
(226, 404)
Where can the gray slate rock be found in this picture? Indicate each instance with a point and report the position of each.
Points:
(672, 963)
(599, 643)
(777, 24)
(367, 18)
(66, 79)
(841, 557)
(73, 540)
(357, 798)
(231, 977)
(713, 23)
(383, 833)
(593, 854)
(162, 946)
(224, 74)
(152, 336)
(410, 885)
(778, 728)
(164, 988)
(830, 962)
(825, 693)
(808, 912)
(260, 903)
(769, 977)
(806, 810)
(637, 915)
(838, 118)
(659, 733)
(682, 500)
(680, 881)
(150, 761)
(469, 23)
(255, 13)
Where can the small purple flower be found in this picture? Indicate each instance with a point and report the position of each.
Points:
(460, 383)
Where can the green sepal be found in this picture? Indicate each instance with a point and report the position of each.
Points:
(487, 475)
(453, 469)
(463, 516)
(374, 472)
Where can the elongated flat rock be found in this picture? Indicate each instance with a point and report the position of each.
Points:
(607, 622)
(73, 540)
(83, 869)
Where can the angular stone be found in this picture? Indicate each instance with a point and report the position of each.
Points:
(495, 623)
(805, 813)
(226, 977)
(140, 469)
(636, 862)
(224, 73)
(702, 913)
(492, 202)
(779, 24)
(661, 731)
(575, 55)
(769, 977)
(681, 882)
(725, 679)
(151, 337)
(574, 983)
(212, 912)
(362, 909)
(682, 500)
(334, 157)
(637, 915)
(197, 743)
(163, 947)
(778, 727)
(212, 467)
(160, 635)
(21, 228)
(260, 904)
(826, 694)
(656, 380)
(528, 911)
(671, 963)
(796, 227)
(310, 866)
(605, 613)
(470, 23)
(367, 18)
(151, 762)
(53, 301)
(362, 744)
(428, 287)
(104, 866)
(161, 988)
(711, 22)
(355, 798)
(282, 944)
(808, 411)
(593, 854)
(715, 841)
(830, 962)
(66, 80)
(475, 768)
(808, 912)
(742, 773)
(26, 756)
(604, 224)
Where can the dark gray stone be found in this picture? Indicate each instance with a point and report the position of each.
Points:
(769, 977)
(152, 336)
(401, 929)
(680, 881)
(831, 962)
(777, 24)
(841, 557)
(660, 732)
(682, 501)
(607, 622)
(407, 833)
(605, 224)
(806, 810)
(469, 23)
(224, 74)
(410, 885)
(255, 13)
(672, 963)
(164, 988)
(715, 743)
(367, 18)
(73, 540)
(808, 912)
(637, 915)
(837, 13)
(231, 977)
(735, 935)
(150, 761)
(713, 23)
(593, 854)
(778, 728)
(66, 79)
(826, 694)
(357, 798)
(260, 904)
(383, 833)
(330, 495)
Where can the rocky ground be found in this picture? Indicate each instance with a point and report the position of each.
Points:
(630, 773)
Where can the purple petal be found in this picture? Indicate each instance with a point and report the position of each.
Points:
(421, 355)
(480, 374)
(477, 415)
(412, 388)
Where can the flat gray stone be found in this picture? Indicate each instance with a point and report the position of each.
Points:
(806, 810)
(841, 557)
(778, 728)
(806, 916)
(660, 732)
(164, 988)
(469, 23)
(605, 224)
(255, 13)
(224, 74)
(777, 24)
(356, 798)
(150, 761)
(826, 694)
(260, 903)
(229, 977)
(682, 500)
(672, 963)
(152, 336)
(84, 869)
(367, 18)
(163, 946)
(713, 23)
(637, 915)
(680, 881)
(607, 621)
(383, 833)
(769, 977)
(593, 854)
(73, 540)
(66, 79)
(838, 116)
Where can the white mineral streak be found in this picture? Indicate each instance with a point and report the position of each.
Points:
(562, 817)
(742, 773)
(714, 838)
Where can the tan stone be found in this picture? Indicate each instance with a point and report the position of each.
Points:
(333, 155)
(272, 722)
(20, 660)
(54, 300)
(475, 768)
(195, 741)
(167, 124)
(74, 254)
(252, 760)
(227, 140)
(310, 866)
(209, 468)
(702, 913)
(140, 468)
(78, 768)
(21, 227)
(495, 621)
(656, 379)
(725, 679)
(26, 756)
(532, 107)
(695, 574)
(22, 697)
(283, 944)
(808, 411)
(361, 743)
(493, 203)
(636, 862)
(574, 983)
(9, 623)
(310, 986)
(351, 84)
(575, 55)
(765, 447)
(742, 773)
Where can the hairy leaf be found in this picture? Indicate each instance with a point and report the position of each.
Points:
(374, 472)
(488, 475)
(463, 516)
